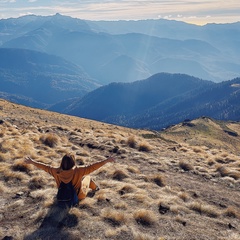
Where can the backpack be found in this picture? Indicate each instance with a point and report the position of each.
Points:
(67, 195)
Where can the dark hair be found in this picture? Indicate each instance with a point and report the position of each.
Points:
(68, 162)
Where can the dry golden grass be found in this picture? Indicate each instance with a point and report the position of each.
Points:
(145, 217)
(20, 166)
(113, 217)
(142, 236)
(119, 175)
(49, 139)
(145, 194)
(3, 188)
(232, 212)
(144, 147)
(184, 196)
(159, 180)
(225, 172)
(132, 142)
(202, 208)
(185, 166)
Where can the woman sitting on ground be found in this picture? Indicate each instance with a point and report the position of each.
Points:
(69, 172)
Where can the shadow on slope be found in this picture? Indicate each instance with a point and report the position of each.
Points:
(55, 224)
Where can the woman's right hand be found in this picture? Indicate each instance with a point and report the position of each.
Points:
(111, 159)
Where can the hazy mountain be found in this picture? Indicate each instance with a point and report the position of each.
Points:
(130, 99)
(126, 51)
(40, 77)
(159, 101)
(219, 101)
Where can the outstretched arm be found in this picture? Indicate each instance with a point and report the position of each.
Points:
(42, 166)
(97, 165)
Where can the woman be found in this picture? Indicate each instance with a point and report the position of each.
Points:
(69, 172)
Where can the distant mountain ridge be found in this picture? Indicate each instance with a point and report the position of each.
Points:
(39, 79)
(126, 51)
(159, 101)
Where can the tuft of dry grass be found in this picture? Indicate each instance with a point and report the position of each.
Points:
(113, 217)
(211, 162)
(133, 169)
(197, 150)
(145, 217)
(131, 142)
(225, 172)
(141, 236)
(49, 139)
(127, 189)
(3, 157)
(12, 175)
(119, 175)
(181, 220)
(232, 212)
(184, 149)
(20, 166)
(3, 188)
(144, 147)
(36, 182)
(185, 166)
(184, 196)
(41, 194)
(159, 180)
(204, 209)
(110, 233)
(87, 203)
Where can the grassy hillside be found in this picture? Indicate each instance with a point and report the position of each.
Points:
(179, 184)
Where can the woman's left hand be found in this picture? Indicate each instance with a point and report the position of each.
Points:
(28, 160)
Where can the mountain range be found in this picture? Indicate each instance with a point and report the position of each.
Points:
(38, 79)
(126, 51)
(159, 101)
(140, 74)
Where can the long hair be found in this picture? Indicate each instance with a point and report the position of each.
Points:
(68, 162)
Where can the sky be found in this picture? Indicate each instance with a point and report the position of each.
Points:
(198, 12)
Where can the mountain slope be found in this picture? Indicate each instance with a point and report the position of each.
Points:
(219, 101)
(160, 101)
(125, 100)
(179, 184)
(44, 78)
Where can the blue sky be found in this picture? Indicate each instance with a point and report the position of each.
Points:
(192, 11)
